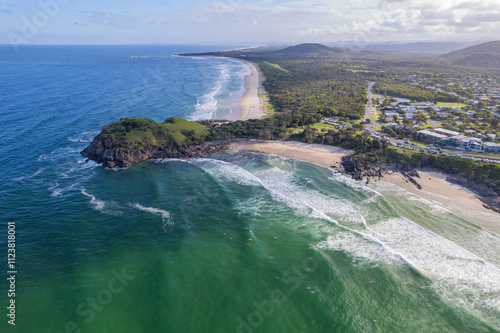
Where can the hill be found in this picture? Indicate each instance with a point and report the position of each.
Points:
(133, 140)
(419, 47)
(482, 55)
(310, 50)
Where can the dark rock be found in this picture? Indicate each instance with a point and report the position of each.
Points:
(105, 151)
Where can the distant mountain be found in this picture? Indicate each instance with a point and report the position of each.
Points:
(482, 55)
(421, 47)
(418, 47)
(311, 50)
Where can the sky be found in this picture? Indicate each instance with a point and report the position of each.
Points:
(246, 21)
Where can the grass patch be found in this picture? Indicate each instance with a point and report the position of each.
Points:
(323, 126)
(418, 143)
(278, 67)
(449, 105)
(141, 133)
(176, 123)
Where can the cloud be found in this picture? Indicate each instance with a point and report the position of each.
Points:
(314, 20)
(6, 11)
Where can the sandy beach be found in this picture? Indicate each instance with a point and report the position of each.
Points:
(254, 100)
(327, 156)
(455, 198)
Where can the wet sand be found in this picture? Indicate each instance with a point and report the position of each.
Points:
(326, 156)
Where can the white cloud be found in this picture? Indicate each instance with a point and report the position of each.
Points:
(304, 20)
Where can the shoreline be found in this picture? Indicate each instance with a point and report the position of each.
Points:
(327, 156)
(254, 101)
(458, 199)
(435, 186)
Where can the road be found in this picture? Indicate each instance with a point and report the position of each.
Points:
(369, 106)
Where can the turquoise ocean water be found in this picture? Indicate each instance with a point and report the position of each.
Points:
(239, 242)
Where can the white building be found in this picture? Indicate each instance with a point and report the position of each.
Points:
(472, 144)
(492, 147)
(422, 105)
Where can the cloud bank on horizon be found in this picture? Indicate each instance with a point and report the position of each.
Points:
(246, 21)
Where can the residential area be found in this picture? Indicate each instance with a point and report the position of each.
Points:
(468, 129)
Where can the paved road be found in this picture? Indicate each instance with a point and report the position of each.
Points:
(370, 108)
(369, 105)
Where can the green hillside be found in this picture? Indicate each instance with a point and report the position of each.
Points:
(146, 134)
(310, 50)
(483, 55)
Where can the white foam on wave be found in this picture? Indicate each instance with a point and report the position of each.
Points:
(165, 215)
(352, 183)
(97, 204)
(282, 186)
(206, 106)
(58, 191)
(58, 154)
(169, 160)
(110, 208)
(460, 276)
(39, 171)
(435, 207)
(227, 171)
(252, 206)
(366, 250)
(83, 137)
(87, 164)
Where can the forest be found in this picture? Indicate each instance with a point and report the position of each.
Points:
(414, 93)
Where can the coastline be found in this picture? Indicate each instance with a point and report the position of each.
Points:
(327, 156)
(455, 198)
(435, 187)
(254, 100)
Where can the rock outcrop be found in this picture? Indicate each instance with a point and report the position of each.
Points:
(106, 151)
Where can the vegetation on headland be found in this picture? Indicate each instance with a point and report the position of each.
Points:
(138, 133)
(132, 140)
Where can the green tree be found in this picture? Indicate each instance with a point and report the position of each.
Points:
(421, 117)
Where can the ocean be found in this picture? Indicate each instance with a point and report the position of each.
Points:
(238, 242)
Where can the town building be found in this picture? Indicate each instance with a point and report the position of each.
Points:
(430, 136)
(446, 132)
(422, 105)
(472, 144)
(492, 147)
(454, 141)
